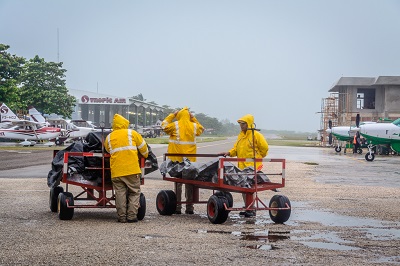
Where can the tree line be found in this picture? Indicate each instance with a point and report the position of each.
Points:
(25, 82)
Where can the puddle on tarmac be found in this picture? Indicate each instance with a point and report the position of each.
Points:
(265, 237)
(302, 212)
(372, 229)
(152, 236)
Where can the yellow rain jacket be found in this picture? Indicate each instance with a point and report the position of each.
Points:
(123, 145)
(182, 134)
(243, 147)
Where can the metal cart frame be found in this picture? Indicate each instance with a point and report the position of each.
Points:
(221, 202)
(64, 203)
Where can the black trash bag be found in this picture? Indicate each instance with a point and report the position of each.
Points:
(174, 169)
(249, 176)
(94, 141)
(242, 178)
(208, 172)
(233, 177)
(151, 160)
(55, 174)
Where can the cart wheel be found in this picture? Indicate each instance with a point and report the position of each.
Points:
(338, 149)
(54, 197)
(279, 216)
(142, 209)
(65, 213)
(369, 156)
(359, 151)
(166, 202)
(227, 195)
(216, 212)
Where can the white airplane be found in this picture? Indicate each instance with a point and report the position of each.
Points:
(346, 134)
(381, 134)
(69, 130)
(29, 132)
(7, 116)
(343, 133)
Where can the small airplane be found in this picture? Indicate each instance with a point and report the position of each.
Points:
(381, 133)
(344, 133)
(70, 129)
(29, 132)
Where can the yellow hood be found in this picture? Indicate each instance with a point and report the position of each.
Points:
(120, 122)
(183, 114)
(249, 119)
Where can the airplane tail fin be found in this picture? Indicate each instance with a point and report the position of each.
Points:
(36, 116)
(7, 115)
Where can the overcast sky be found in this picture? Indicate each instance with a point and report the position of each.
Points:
(273, 59)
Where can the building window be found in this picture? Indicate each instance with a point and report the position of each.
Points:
(365, 98)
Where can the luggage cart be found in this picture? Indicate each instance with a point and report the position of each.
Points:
(93, 195)
(220, 203)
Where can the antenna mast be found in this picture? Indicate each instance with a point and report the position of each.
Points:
(58, 47)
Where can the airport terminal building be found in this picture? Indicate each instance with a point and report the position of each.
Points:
(100, 109)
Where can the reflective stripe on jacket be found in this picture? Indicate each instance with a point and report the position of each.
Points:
(243, 147)
(123, 144)
(182, 134)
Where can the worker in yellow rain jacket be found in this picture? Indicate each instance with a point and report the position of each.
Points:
(123, 144)
(182, 139)
(243, 148)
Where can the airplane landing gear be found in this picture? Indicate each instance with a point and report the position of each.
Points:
(370, 156)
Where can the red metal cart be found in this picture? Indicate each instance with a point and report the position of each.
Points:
(93, 194)
(220, 202)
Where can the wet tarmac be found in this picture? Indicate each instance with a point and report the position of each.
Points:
(334, 168)
(340, 168)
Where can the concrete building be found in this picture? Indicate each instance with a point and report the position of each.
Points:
(374, 99)
(100, 109)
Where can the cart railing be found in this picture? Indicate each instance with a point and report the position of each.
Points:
(221, 202)
(220, 185)
(102, 200)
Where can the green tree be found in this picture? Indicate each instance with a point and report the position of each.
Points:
(11, 67)
(43, 86)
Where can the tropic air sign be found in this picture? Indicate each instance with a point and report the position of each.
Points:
(103, 100)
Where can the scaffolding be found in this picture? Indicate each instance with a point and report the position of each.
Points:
(329, 112)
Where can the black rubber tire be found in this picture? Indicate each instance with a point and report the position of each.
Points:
(359, 151)
(227, 195)
(369, 156)
(58, 142)
(65, 213)
(216, 212)
(142, 209)
(279, 216)
(54, 192)
(166, 202)
(338, 149)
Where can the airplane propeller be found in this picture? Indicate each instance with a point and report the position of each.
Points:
(330, 134)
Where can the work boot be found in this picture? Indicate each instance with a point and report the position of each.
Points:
(249, 214)
(134, 220)
(189, 212)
